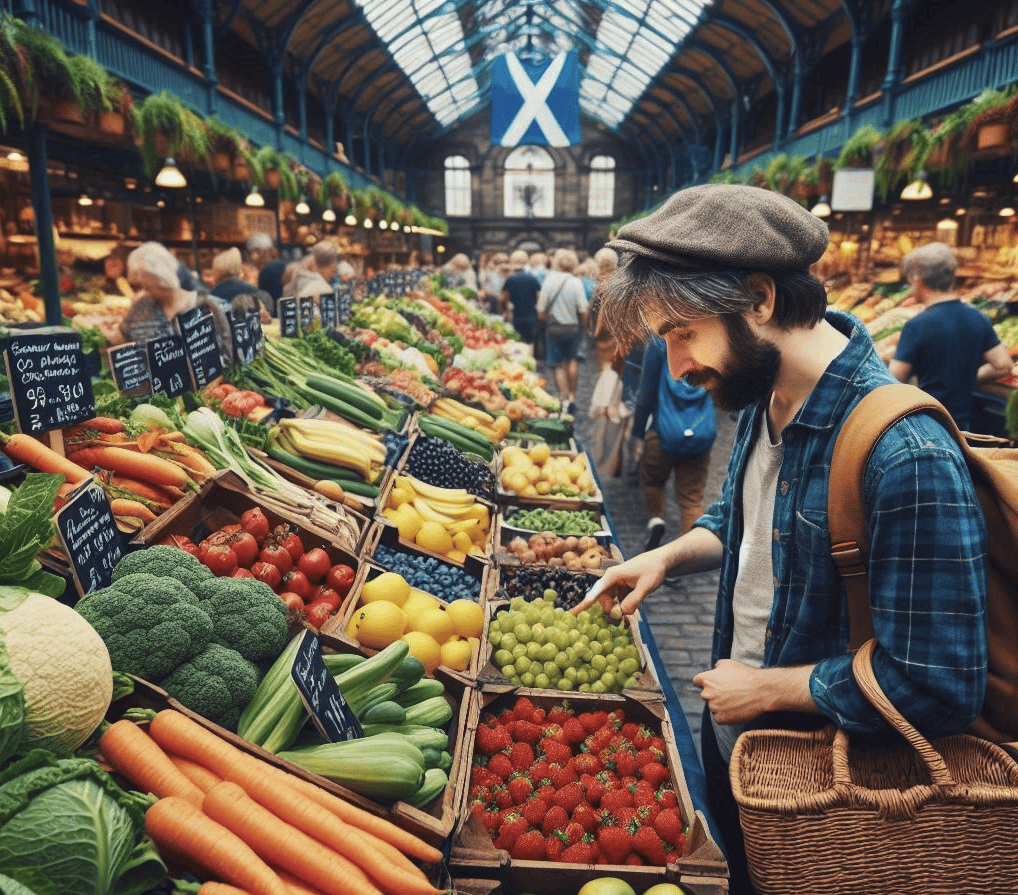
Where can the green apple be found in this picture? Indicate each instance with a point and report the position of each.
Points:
(607, 885)
(665, 889)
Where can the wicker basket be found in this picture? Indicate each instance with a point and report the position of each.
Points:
(822, 813)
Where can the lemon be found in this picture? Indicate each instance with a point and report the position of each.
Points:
(417, 603)
(433, 536)
(467, 617)
(455, 555)
(539, 453)
(436, 622)
(407, 520)
(461, 541)
(456, 654)
(379, 624)
(389, 586)
(517, 481)
(425, 648)
(399, 496)
(513, 454)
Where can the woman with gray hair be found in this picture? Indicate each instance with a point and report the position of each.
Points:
(153, 269)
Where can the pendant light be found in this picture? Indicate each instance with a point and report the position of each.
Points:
(254, 199)
(383, 224)
(170, 176)
(368, 224)
(822, 209)
(303, 207)
(918, 189)
(350, 220)
(329, 216)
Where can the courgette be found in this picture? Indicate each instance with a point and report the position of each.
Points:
(386, 712)
(409, 673)
(435, 781)
(351, 393)
(317, 470)
(422, 737)
(381, 693)
(422, 690)
(434, 712)
(432, 757)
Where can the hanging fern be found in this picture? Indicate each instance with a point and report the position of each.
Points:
(859, 149)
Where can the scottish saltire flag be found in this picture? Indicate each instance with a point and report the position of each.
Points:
(535, 103)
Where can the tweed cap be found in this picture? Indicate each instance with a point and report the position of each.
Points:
(726, 226)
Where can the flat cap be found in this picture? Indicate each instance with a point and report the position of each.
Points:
(724, 226)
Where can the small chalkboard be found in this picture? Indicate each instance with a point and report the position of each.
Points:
(129, 366)
(167, 361)
(328, 308)
(306, 312)
(90, 536)
(329, 711)
(246, 333)
(201, 343)
(289, 323)
(50, 385)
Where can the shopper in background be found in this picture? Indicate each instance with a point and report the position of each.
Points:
(154, 271)
(314, 272)
(537, 266)
(562, 306)
(950, 347)
(721, 273)
(491, 280)
(675, 423)
(457, 271)
(519, 299)
(605, 261)
(262, 253)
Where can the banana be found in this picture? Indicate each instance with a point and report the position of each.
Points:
(338, 455)
(327, 431)
(467, 525)
(454, 510)
(481, 416)
(445, 495)
(444, 407)
(429, 514)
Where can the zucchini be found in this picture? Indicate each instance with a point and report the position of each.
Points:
(351, 393)
(434, 712)
(432, 757)
(422, 737)
(435, 781)
(381, 693)
(337, 663)
(344, 409)
(445, 760)
(460, 437)
(409, 673)
(317, 470)
(275, 692)
(420, 691)
(385, 712)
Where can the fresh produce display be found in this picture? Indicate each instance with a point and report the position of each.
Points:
(434, 461)
(429, 573)
(237, 402)
(532, 582)
(556, 521)
(474, 387)
(537, 472)
(331, 443)
(575, 787)
(449, 410)
(572, 553)
(450, 522)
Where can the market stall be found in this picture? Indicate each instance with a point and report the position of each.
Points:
(338, 575)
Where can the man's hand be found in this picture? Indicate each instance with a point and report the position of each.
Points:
(737, 693)
(627, 583)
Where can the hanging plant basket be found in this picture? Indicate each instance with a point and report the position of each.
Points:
(67, 111)
(241, 169)
(220, 163)
(995, 135)
(112, 123)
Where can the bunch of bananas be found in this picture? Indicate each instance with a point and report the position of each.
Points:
(333, 443)
(491, 427)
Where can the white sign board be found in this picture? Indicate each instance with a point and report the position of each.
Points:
(853, 190)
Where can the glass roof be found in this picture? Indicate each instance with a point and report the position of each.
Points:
(622, 44)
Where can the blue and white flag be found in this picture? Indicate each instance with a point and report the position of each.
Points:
(535, 104)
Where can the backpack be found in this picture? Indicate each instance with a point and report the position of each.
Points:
(994, 471)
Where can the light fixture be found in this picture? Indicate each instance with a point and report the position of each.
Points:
(1006, 212)
(85, 199)
(383, 224)
(440, 249)
(303, 207)
(254, 199)
(367, 224)
(130, 183)
(822, 209)
(160, 203)
(15, 156)
(918, 189)
(1013, 179)
(960, 212)
(350, 220)
(328, 215)
(170, 176)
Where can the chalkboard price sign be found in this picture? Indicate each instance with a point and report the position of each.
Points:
(328, 309)
(201, 342)
(246, 333)
(306, 312)
(289, 324)
(129, 366)
(329, 711)
(50, 385)
(90, 536)
(167, 360)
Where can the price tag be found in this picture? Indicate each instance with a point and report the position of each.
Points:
(246, 333)
(129, 366)
(328, 308)
(90, 536)
(201, 343)
(167, 361)
(306, 312)
(289, 324)
(329, 712)
(50, 385)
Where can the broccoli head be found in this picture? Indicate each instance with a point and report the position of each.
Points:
(247, 615)
(165, 561)
(150, 625)
(217, 684)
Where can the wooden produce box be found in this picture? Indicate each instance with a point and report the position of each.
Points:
(433, 824)
(503, 556)
(507, 529)
(591, 499)
(474, 856)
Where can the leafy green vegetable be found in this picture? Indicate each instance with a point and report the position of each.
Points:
(12, 708)
(66, 828)
(26, 529)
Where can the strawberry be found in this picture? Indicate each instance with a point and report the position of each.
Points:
(555, 818)
(668, 825)
(594, 789)
(561, 775)
(630, 730)
(513, 826)
(483, 776)
(625, 763)
(520, 788)
(634, 860)
(580, 853)
(554, 751)
(535, 811)
(527, 732)
(480, 794)
(539, 769)
(615, 842)
(642, 738)
(537, 717)
(492, 820)
(503, 798)
(666, 797)
(573, 832)
(586, 817)
(616, 718)
(642, 795)
(616, 798)
(569, 797)
(655, 774)
(673, 856)
(492, 739)
(529, 847)
(521, 755)
(648, 844)
(506, 716)
(573, 731)
(645, 756)
(554, 845)
(657, 744)
(601, 738)
(500, 765)
(586, 763)
(558, 714)
(648, 813)
(545, 791)
(523, 709)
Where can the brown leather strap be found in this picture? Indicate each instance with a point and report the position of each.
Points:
(864, 427)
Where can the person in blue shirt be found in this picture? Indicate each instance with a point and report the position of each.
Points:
(950, 347)
(721, 273)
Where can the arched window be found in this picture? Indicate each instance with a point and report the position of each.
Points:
(457, 186)
(529, 183)
(601, 198)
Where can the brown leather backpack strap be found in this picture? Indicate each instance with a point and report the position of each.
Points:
(865, 426)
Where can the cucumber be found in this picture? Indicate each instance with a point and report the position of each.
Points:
(432, 757)
(409, 674)
(381, 693)
(350, 393)
(435, 781)
(425, 689)
(386, 712)
(460, 437)
(344, 409)
(337, 663)
(434, 712)
(422, 737)
(323, 471)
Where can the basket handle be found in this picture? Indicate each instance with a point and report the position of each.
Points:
(862, 668)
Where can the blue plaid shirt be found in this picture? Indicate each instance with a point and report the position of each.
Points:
(927, 574)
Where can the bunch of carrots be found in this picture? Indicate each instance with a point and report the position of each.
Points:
(250, 828)
(142, 476)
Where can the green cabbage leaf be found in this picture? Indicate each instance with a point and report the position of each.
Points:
(12, 706)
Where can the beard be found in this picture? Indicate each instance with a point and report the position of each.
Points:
(747, 373)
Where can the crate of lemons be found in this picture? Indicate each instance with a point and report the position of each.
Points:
(538, 471)
(438, 633)
(449, 522)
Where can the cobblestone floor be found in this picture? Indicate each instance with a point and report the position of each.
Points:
(681, 615)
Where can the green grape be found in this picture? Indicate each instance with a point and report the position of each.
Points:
(584, 617)
(608, 679)
(565, 684)
(584, 654)
(570, 673)
(547, 652)
(508, 641)
(574, 635)
(538, 631)
(527, 679)
(562, 661)
(552, 670)
(523, 633)
(628, 666)
(631, 682)
(519, 650)
(522, 665)
(550, 596)
(548, 617)
(596, 611)
(582, 675)
(533, 650)
(612, 661)
(494, 636)
(514, 680)
(542, 681)
(506, 621)
(517, 603)
(508, 671)
(598, 663)
(585, 688)
(502, 658)
(603, 636)
(597, 648)
(598, 687)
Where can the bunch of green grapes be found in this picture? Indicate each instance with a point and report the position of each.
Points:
(537, 644)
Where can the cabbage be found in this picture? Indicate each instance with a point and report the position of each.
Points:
(66, 828)
(12, 707)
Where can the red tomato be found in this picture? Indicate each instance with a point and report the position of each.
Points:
(219, 558)
(294, 546)
(243, 543)
(254, 521)
(325, 594)
(296, 582)
(318, 613)
(241, 572)
(340, 578)
(265, 571)
(315, 564)
(293, 601)
(231, 527)
(276, 554)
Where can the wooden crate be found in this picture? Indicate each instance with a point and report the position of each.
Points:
(474, 856)
(502, 556)
(593, 501)
(506, 529)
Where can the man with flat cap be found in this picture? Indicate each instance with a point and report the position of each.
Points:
(721, 273)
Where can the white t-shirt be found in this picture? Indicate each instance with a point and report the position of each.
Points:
(571, 301)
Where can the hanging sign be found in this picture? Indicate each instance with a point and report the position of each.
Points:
(167, 361)
(306, 312)
(201, 344)
(129, 366)
(289, 324)
(329, 711)
(328, 308)
(89, 533)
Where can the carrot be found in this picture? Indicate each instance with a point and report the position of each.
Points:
(132, 753)
(134, 464)
(178, 827)
(214, 888)
(275, 840)
(32, 452)
(124, 506)
(296, 886)
(190, 457)
(178, 734)
(161, 494)
(198, 774)
(107, 424)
